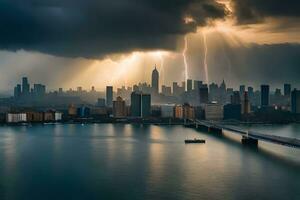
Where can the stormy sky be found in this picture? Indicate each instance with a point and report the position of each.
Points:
(98, 42)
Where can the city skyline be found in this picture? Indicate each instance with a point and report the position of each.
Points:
(149, 99)
(235, 40)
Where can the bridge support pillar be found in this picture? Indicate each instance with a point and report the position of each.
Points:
(202, 128)
(215, 130)
(249, 141)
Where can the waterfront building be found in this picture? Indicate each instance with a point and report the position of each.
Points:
(140, 104)
(83, 111)
(178, 110)
(188, 112)
(232, 111)
(16, 117)
(119, 108)
(213, 112)
(72, 110)
(167, 110)
(33, 116)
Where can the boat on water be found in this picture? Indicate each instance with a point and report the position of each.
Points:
(188, 141)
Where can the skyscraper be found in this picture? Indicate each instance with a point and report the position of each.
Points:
(189, 85)
(287, 90)
(155, 81)
(235, 98)
(265, 92)
(119, 107)
(246, 104)
(140, 104)
(242, 90)
(39, 90)
(203, 94)
(109, 96)
(25, 86)
(295, 101)
(17, 91)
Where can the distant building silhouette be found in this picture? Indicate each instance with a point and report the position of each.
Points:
(17, 91)
(246, 104)
(203, 94)
(101, 102)
(189, 85)
(287, 89)
(109, 96)
(155, 81)
(25, 86)
(242, 90)
(265, 94)
(119, 108)
(235, 98)
(295, 101)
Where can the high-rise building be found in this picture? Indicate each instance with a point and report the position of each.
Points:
(213, 112)
(242, 90)
(17, 91)
(101, 102)
(119, 108)
(109, 96)
(265, 93)
(287, 89)
(39, 90)
(175, 88)
(235, 98)
(197, 84)
(203, 94)
(25, 86)
(246, 104)
(178, 111)
(188, 112)
(140, 104)
(166, 90)
(189, 85)
(155, 81)
(295, 101)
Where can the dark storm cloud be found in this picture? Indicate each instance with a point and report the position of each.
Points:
(272, 64)
(251, 11)
(92, 28)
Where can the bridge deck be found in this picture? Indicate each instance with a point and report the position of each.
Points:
(291, 142)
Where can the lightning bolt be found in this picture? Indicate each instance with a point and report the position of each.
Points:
(184, 57)
(205, 57)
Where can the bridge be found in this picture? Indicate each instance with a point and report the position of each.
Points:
(248, 137)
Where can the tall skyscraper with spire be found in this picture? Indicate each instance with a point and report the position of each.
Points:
(155, 80)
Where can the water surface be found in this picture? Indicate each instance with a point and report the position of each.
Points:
(116, 161)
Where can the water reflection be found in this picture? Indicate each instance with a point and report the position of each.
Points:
(108, 161)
